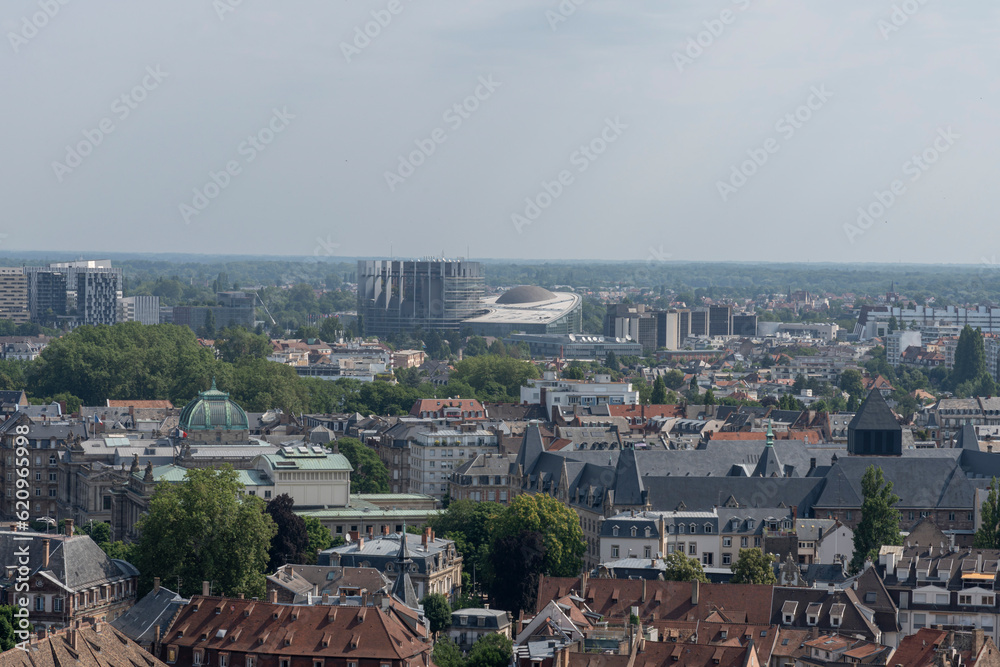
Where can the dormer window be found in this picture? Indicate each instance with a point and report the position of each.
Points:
(614, 531)
(708, 528)
(633, 531)
(694, 529)
(750, 524)
(680, 528)
(647, 531)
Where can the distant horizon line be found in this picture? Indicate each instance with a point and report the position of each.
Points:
(62, 255)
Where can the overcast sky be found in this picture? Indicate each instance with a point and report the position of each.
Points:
(709, 130)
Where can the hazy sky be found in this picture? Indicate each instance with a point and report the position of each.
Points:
(728, 130)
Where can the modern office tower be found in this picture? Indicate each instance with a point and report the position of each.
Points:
(745, 324)
(699, 321)
(720, 320)
(13, 295)
(401, 295)
(97, 294)
(46, 294)
(235, 309)
(143, 309)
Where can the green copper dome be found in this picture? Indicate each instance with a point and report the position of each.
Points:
(213, 410)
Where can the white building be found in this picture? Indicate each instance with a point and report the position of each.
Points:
(436, 452)
(897, 342)
(311, 475)
(558, 394)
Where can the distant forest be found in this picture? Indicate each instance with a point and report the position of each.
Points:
(937, 284)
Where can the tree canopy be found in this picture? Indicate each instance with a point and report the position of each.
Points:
(437, 610)
(291, 538)
(753, 566)
(879, 525)
(205, 529)
(681, 568)
(558, 524)
(370, 474)
(988, 535)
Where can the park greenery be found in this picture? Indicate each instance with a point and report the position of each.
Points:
(753, 566)
(141, 362)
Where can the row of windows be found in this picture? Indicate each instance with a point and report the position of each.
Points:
(200, 657)
(311, 476)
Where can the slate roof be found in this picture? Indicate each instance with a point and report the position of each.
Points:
(155, 609)
(77, 562)
(629, 489)
(967, 438)
(874, 415)
(919, 482)
(801, 602)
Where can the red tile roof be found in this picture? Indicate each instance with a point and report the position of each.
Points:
(613, 598)
(293, 630)
(125, 403)
(917, 650)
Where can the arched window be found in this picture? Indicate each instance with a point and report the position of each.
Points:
(633, 531)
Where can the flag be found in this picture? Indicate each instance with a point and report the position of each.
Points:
(181, 434)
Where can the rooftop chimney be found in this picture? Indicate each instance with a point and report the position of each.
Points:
(156, 585)
(272, 596)
(45, 552)
(69, 527)
(695, 592)
(205, 589)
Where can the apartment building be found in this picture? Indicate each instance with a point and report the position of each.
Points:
(436, 452)
(14, 295)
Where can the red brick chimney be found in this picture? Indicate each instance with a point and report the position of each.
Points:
(69, 527)
(272, 596)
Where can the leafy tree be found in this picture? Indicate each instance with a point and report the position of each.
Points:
(988, 535)
(799, 384)
(122, 550)
(320, 538)
(674, 379)
(100, 532)
(8, 624)
(709, 398)
(560, 526)
(307, 332)
(517, 561)
(970, 356)
(236, 343)
(611, 361)
(331, 329)
(893, 324)
(495, 378)
(208, 328)
(879, 525)
(475, 346)
(492, 650)
(573, 373)
(447, 654)
(437, 610)
(291, 539)
(205, 529)
(659, 395)
(370, 474)
(468, 523)
(681, 568)
(851, 382)
(753, 566)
